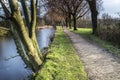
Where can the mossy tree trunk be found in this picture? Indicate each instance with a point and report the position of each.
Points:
(24, 33)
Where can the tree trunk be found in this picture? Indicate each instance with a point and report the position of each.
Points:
(94, 22)
(33, 26)
(70, 26)
(94, 13)
(74, 22)
(30, 43)
(20, 47)
(66, 22)
(26, 13)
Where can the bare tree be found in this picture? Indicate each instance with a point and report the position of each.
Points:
(24, 31)
(94, 14)
(78, 9)
(70, 8)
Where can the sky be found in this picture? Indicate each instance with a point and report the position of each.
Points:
(111, 7)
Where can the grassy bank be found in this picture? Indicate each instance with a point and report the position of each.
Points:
(62, 63)
(87, 33)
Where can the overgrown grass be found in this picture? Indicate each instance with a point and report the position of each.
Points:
(62, 62)
(87, 33)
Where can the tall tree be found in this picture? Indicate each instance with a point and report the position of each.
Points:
(94, 14)
(24, 31)
(78, 9)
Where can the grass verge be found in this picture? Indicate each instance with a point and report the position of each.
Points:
(87, 33)
(62, 62)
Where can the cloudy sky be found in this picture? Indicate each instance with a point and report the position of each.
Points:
(111, 7)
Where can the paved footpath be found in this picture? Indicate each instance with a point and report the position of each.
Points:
(99, 64)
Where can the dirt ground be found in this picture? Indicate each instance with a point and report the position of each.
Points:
(99, 64)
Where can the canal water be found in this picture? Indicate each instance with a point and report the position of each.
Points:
(11, 65)
(44, 36)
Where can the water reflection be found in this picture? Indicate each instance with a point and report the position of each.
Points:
(11, 65)
(44, 36)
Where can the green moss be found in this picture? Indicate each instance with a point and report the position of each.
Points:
(62, 63)
(87, 33)
(4, 31)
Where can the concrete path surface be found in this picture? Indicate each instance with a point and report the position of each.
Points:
(99, 64)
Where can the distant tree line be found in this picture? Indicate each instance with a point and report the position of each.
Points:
(72, 10)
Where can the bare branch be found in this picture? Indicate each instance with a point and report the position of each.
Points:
(26, 13)
(3, 17)
(7, 12)
(83, 14)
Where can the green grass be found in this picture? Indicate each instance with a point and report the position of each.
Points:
(62, 62)
(87, 33)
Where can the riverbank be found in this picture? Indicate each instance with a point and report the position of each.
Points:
(62, 62)
(45, 26)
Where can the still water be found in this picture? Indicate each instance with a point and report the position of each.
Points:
(11, 65)
(43, 37)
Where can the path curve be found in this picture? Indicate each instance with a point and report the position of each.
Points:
(99, 64)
